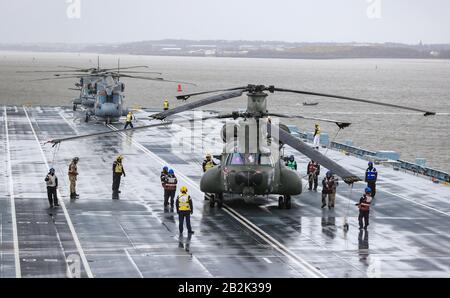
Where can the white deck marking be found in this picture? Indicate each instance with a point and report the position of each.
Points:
(63, 205)
(133, 263)
(314, 272)
(267, 260)
(13, 204)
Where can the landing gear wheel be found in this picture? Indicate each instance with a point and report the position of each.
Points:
(287, 202)
(212, 201)
(74, 107)
(280, 202)
(219, 197)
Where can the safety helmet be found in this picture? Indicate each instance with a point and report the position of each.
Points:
(165, 168)
(76, 159)
(120, 157)
(184, 189)
(329, 174)
(208, 155)
(317, 124)
(171, 172)
(291, 158)
(368, 190)
(52, 171)
(370, 164)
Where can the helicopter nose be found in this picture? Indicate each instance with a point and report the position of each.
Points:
(249, 178)
(108, 110)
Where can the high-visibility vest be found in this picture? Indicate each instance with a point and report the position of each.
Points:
(312, 168)
(371, 174)
(209, 165)
(51, 182)
(317, 132)
(170, 182)
(166, 104)
(118, 169)
(129, 117)
(292, 164)
(183, 202)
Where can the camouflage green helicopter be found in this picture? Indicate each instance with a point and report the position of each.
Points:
(250, 162)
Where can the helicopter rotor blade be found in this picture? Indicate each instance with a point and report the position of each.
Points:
(56, 78)
(199, 103)
(340, 124)
(186, 96)
(426, 113)
(286, 138)
(152, 79)
(121, 68)
(98, 134)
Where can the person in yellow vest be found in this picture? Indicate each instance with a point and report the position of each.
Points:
(185, 208)
(208, 163)
(166, 105)
(118, 171)
(129, 120)
(317, 137)
(73, 173)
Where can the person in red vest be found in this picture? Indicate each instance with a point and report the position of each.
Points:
(313, 171)
(364, 208)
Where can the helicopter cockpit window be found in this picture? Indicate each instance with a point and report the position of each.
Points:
(251, 159)
(237, 159)
(116, 98)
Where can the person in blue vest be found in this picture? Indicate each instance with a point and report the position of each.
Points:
(371, 178)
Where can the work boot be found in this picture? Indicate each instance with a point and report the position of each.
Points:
(56, 205)
(309, 188)
(191, 232)
(323, 205)
(329, 207)
(51, 206)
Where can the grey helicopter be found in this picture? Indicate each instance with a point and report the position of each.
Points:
(101, 91)
(251, 163)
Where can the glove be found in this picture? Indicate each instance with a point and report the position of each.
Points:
(192, 212)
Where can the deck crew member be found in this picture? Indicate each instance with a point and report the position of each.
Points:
(52, 185)
(118, 171)
(208, 163)
(291, 163)
(364, 208)
(184, 209)
(329, 185)
(313, 171)
(166, 105)
(164, 173)
(316, 143)
(129, 120)
(371, 178)
(170, 188)
(73, 173)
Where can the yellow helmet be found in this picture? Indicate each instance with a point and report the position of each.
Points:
(184, 189)
(208, 155)
(120, 157)
(317, 124)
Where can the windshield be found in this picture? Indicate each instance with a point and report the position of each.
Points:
(250, 159)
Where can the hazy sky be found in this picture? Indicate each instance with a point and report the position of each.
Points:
(405, 21)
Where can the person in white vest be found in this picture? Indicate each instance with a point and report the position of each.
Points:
(52, 184)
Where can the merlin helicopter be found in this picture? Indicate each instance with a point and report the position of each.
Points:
(101, 91)
(251, 163)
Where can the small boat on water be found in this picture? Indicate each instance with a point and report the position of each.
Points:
(310, 103)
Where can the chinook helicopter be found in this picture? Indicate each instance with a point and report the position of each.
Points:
(250, 162)
(101, 91)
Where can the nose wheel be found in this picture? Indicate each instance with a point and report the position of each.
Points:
(284, 202)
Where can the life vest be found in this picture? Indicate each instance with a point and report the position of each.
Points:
(365, 203)
(292, 164)
(208, 165)
(73, 170)
(170, 183)
(129, 117)
(118, 168)
(371, 174)
(51, 182)
(166, 104)
(312, 168)
(183, 202)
